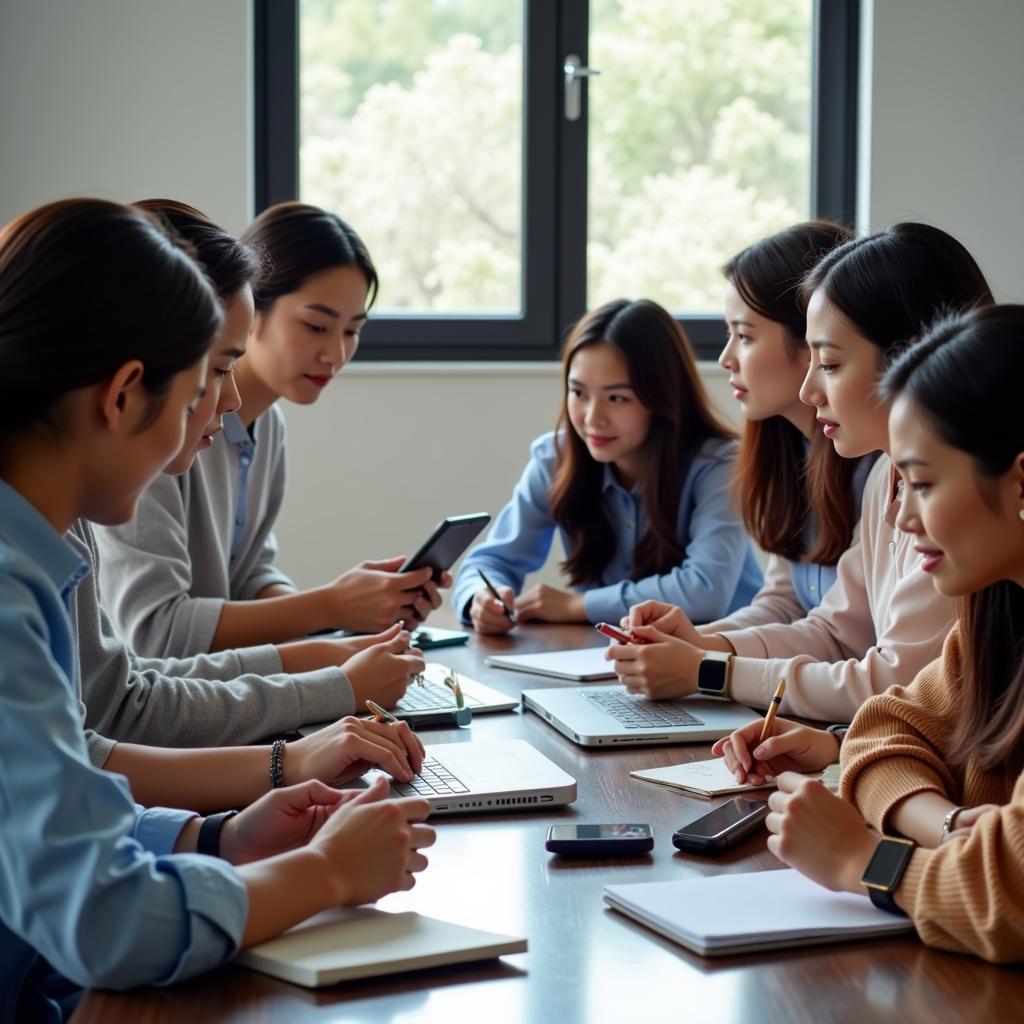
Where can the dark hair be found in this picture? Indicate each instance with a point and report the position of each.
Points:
(889, 286)
(86, 286)
(228, 263)
(300, 240)
(771, 486)
(953, 376)
(663, 373)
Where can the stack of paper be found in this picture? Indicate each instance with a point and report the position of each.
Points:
(583, 665)
(342, 945)
(699, 778)
(723, 914)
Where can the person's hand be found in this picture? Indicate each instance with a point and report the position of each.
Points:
(281, 820)
(549, 604)
(486, 613)
(789, 748)
(968, 818)
(370, 846)
(373, 595)
(666, 618)
(384, 670)
(349, 748)
(819, 834)
(660, 669)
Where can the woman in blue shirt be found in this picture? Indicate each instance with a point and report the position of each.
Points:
(105, 326)
(636, 480)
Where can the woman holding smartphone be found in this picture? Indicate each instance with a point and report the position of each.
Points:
(194, 571)
(882, 621)
(941, 761)
(105, 329)
(635, 479)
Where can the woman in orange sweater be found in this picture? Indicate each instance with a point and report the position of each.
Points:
(938, 763)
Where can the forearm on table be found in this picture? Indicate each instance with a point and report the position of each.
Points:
(197, 780)
(920, 816)
(283, 891)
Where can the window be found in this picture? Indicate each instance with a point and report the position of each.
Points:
(513, 164)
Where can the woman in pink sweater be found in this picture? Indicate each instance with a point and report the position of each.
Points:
(881, 622)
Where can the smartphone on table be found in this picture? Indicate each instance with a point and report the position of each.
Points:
(443, 547)
(620, 840)
(721, 828)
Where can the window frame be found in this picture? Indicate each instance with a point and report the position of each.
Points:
(554, 169)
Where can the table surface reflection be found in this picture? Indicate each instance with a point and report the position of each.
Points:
(585, 962)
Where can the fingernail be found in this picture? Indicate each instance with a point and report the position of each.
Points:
(769, 778)
(759, 752)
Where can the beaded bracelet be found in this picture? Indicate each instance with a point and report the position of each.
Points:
(277, 764)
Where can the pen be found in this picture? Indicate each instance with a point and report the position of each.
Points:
(622, 635)
(381, 715)
(509, 614)
(772, 711)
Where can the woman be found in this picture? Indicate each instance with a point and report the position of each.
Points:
(194, 571)
(882, 621)
(635, 480)
(940, 761)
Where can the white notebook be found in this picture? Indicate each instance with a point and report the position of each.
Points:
(584, 665)
(698, 778)
(342, 945)
(723, 914)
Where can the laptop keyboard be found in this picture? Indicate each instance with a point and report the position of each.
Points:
(433, 780)
(636, 712)
(432, 697)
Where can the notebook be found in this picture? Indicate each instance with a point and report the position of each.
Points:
(583, 665)
(597, 716)
(698, 778)
(422, 704)
(722, 914)
(342, 945)
(488, 775)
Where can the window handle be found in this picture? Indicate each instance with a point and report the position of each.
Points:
(573, 72)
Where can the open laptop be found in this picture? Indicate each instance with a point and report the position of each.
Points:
(600, 716)
(488, 775)
(422, 703)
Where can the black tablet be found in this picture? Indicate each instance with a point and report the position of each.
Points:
(443, 547)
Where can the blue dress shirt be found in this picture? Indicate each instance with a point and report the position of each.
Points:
(88, 881)
(718, 571)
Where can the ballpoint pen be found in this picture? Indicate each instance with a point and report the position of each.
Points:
(509, 613)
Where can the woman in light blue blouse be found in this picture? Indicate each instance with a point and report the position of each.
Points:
(635, 479)
(105, 326)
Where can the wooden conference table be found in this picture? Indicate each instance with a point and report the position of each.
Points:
(587, 963)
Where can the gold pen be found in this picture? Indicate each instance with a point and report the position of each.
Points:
(381, 714)
(773, 708)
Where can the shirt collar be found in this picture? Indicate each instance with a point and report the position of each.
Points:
(235, 432)
(25, 529)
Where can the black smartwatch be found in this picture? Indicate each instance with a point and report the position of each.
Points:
(885, 871)
(713, 674)
(208, 840)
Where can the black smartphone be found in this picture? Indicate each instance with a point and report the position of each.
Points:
(450, 538)
(426, 638)
(721, 828)
(599, 840)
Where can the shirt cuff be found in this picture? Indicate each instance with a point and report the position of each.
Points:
(325, 694)
(98, 747)
(263, 660)
(746, 643)
(158, 828)
(604, 604)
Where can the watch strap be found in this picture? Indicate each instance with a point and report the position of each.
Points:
(208, 841)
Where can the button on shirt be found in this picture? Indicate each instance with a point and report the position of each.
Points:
(87, 877)
(717, 573)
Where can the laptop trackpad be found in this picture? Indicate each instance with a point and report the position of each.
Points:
(483, 769)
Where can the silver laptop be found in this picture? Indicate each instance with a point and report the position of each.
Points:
(600, 716)
(488, 775)
(432, 702)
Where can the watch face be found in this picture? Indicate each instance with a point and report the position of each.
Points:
(887, 863)
(711, 675)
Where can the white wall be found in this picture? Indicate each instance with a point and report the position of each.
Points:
(945, 115)
(128, 98)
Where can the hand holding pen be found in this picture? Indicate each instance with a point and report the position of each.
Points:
(491, 609)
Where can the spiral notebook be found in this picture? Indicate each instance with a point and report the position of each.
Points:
(343, 945)
(722, 914)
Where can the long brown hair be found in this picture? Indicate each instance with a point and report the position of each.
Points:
(773, 492)
(663, 373)
(954, 375)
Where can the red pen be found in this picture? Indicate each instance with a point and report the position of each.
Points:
(623, 637)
